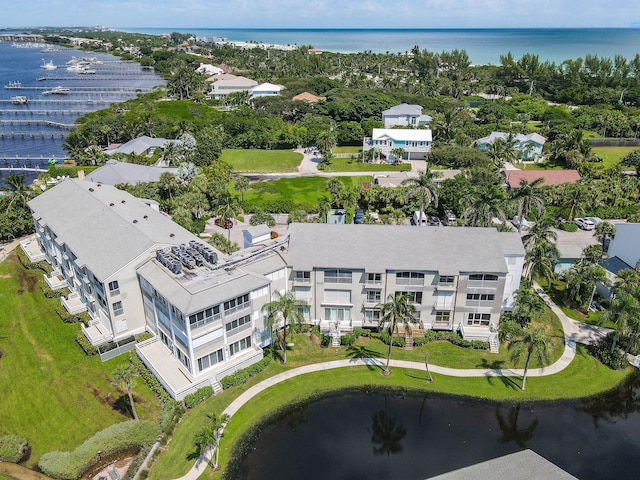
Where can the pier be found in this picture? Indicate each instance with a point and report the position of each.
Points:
(50, 123)
(32, 135)
(45, 112)
(21, 37)
(23, 169)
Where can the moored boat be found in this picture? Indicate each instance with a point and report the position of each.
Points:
(13, 86)
(19, 100)
(48, 65)
(57, 91)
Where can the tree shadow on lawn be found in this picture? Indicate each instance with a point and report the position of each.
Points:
(362, 352)
(498, 365)
(123, 406)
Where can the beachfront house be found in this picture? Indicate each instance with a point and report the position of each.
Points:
(529, 146)
(134, 270)
(405, 115)
(266, 90)
(415, 143)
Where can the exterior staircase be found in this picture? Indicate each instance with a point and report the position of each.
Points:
(216, 385)
(494, 343)
(408, 342)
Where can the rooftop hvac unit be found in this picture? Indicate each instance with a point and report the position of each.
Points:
(193, 244)
(187, 261)
(199, 259)
(210, 256)
(175, 267)
(175, 250)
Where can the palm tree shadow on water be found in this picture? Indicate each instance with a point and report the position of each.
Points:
(511, 431)
(387, 432)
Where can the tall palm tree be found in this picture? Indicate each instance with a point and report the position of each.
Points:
(528, 304)
(20, 193)
(397, 309)
(624, 312)
(541, 260)
(228, 208)
(125, 375)
(604, 231)
(543, 229)
(528, 197)
(210, 436)
(425, 188)
(241, 184)
(574, 199)
(284, 309)
(485, 205)
(532, 342)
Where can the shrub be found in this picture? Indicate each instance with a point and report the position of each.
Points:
(397, 341)
(241, 376)
(143, 337)
(260, 217)
(615, 360)
(13, 448)
(456, 339)
(67, 317)
(53, 293)
(85, 344)
(568, 227)
(171, 413)
(24, 260)
(114, 439)
(198, 397)
(348, 340)
(361, 332)
(150, 379)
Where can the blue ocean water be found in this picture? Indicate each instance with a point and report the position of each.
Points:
(484, 46)
(33, 133)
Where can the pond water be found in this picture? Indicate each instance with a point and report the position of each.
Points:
(356, 435)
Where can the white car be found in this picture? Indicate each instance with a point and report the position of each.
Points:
(595, 220)
(584, 223)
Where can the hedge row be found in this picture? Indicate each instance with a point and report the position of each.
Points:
(568, 227)
(54, 293)
(198, 397)
(430, 335)
(150, 379)
(171, 413)
(67, 317)
(350, 338)
(241, 376)
(85, 344)
(114, 439)
(24, 260)
(13, 448)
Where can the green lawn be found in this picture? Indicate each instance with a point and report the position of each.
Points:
(351, 165)
(355, 149)
(52, 393)
(611, 155)
(585, 376)
(304, 192)
(265, 161)
(556, 292)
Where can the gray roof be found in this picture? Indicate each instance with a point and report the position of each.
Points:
(190, 292)
(378, 248)
(114, 172)
(258, 231)
(518, 137)
(511, 243)
(404, 109)
(140, 145)
(104, 227)
(524, 465)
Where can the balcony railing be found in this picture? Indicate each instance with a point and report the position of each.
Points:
(73, 304)
(56, 281)
(410, 281)
(237, 308)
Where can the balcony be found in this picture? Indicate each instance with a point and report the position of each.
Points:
(56, 281)
(96, 333)
(32, 250)
(73, 304)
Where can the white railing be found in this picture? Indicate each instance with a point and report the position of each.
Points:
(247, 361)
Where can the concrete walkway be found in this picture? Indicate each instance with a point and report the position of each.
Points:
(574, 332)
(7, 248)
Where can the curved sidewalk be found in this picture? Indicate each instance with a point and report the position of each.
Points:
(574, 332)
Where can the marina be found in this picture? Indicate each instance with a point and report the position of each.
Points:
(41, 100)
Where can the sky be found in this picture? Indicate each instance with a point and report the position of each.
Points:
(325, 13)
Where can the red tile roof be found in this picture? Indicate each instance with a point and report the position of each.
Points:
(551, 177)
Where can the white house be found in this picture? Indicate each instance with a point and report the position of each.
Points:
(143, 145)
(529, 146)
(266, 90)
(405, 115)
(415, 142)
(225, 83)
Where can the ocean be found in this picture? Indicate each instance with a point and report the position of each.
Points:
(33, 133)
(484, 46)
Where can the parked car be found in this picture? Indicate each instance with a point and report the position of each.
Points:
(419, 218)
(449, 219)
(226, 223)
(434, 221)
(595, 220)
(359, 217)
(584, 223)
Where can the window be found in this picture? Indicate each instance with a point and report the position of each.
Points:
(237, 323)
(374, 278)
(337, 314)
(443, 316)
(337, 296)
(478, 319)
(117, 309)
(483, 276)
(239, 346)
(304, 277)
(483, 297)
(373, 296)
(337, 276)
(204, 317)
(446, 280)
(303, 293)
(409, 278)
(210, 360)
(372, 316)
(444, 300)
(114, 288)
(184, 359)
(414, 297)
(236, 304)
(305, 312)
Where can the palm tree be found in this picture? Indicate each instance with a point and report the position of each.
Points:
(543, 229)
(284, 309)
(532, 342)
(485, 205)
(229, 208)
(398, 154)
(574, 198)
(124, 375)
(604, 231)
(210, 435)
(397, 309)
(624, 312)
(20, 194)
(528, 304)
(541, 260)
(495, 151)
(168, 182)
(528, 197)
(241, 184)
(425, 188)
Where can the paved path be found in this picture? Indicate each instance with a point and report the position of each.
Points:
(7, 248)
(574, 331)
